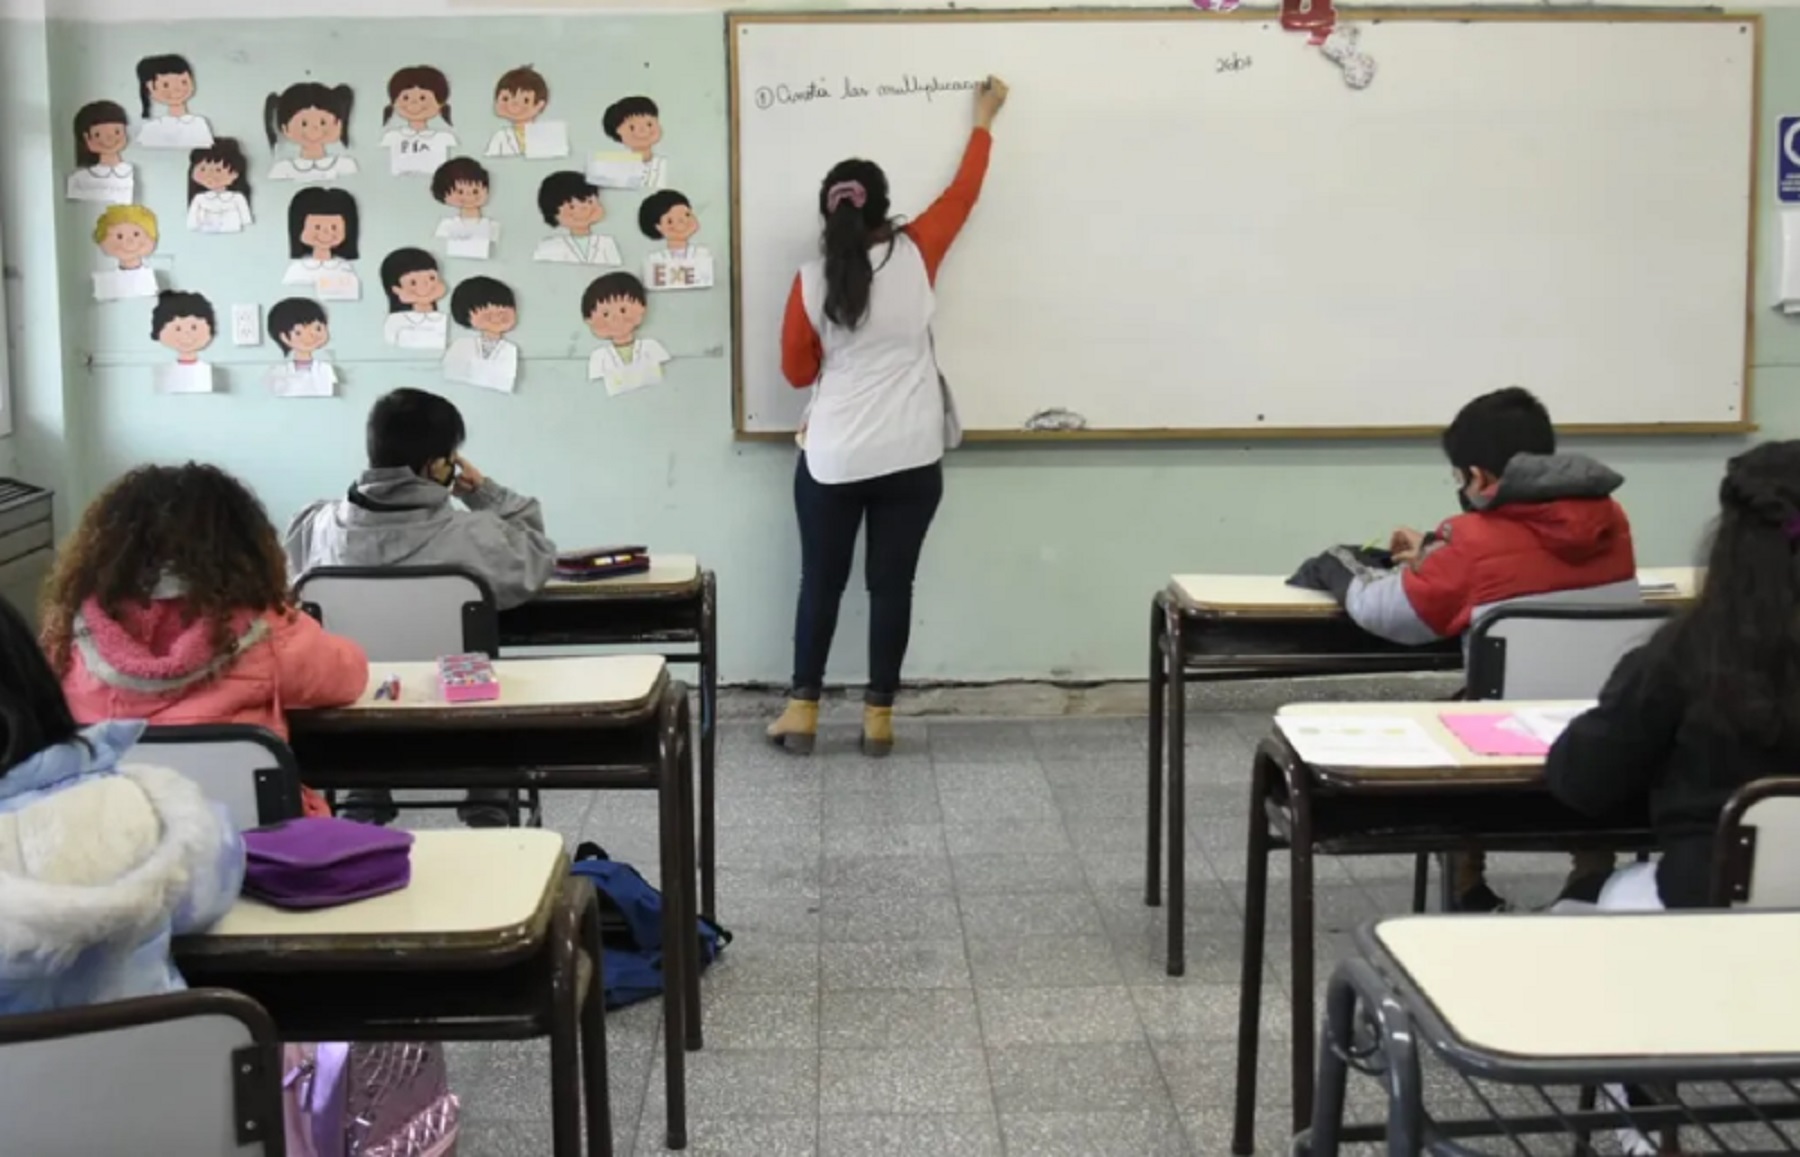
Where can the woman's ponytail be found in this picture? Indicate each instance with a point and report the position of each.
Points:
(849, 275)
(853, 200)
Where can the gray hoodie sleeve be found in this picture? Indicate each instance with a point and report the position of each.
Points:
(512, 551)
(296, 543)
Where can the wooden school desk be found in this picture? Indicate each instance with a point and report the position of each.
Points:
(1548, 1001)
(673, 609)
(1490, 803)
(492, 940)
(613, 723)
(1208, 628)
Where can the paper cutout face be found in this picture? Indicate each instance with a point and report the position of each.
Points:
(300, 327)
(100, 134)
(311, 117)
(462, 184)
(670, 216)
(127, 234)
(412, 281)
(169, 81)
(521, 95)
(634, 122)
(322, 224)
(614, 307)
(218, 188)
(419, 94)
(489, 360)
(101, 172)
(183, 322)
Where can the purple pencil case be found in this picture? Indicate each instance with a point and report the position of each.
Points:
(321, 862)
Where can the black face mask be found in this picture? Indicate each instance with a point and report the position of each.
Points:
(1463, 499)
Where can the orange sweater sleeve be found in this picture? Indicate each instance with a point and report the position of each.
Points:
(938, 226)
(801, 354)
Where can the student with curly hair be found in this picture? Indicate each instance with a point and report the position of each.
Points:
(170, 604)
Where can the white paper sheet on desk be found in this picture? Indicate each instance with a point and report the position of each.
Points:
(1546, 724)
(1363, 741)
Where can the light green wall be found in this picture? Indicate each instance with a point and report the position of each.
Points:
(1043, 558)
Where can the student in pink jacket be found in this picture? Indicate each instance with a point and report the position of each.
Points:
(171, 605)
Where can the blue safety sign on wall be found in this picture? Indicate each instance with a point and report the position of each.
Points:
(1787, 163)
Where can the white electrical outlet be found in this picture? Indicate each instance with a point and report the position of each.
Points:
(246, 325)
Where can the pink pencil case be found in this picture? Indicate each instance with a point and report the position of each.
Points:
(467, 679)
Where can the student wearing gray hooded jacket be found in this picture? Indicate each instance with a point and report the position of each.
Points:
(400, 513)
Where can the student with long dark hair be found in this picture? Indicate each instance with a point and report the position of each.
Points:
(1709, 704)
(858, 331)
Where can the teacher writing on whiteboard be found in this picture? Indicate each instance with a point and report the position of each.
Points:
(858, 331)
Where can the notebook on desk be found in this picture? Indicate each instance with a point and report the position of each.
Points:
(1528, 732)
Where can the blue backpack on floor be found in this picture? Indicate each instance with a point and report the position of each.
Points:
(631, 915)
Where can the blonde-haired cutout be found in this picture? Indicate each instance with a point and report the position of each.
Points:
(125, 215)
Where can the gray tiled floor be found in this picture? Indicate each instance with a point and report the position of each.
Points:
(947, 954)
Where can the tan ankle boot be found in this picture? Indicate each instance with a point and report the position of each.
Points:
(878, 731)
(798, 728)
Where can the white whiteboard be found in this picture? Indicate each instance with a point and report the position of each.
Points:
(1169, 244)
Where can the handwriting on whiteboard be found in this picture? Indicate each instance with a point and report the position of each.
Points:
(1236, 62)
(911, 85)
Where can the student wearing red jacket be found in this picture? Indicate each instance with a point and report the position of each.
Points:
(858, 333)
(1536, 524)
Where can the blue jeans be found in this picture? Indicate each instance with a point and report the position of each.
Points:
(898, 509)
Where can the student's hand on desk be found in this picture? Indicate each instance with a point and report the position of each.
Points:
(1405, 544)
(990, 98)
(468, 479)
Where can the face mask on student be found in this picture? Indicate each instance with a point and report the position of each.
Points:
(1462, 491)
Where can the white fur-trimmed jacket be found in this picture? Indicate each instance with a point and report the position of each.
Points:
(100, 864)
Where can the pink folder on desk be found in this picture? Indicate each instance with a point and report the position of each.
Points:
(1497, 734)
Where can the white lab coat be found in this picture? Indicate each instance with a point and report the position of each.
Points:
(294, 379)
(333, 279)
(691, 269)
(471, 238)
(185, 378)
(104, 184)
(567, 249)
(543, 141)
(622, 374)
(119, 284)
(626, 171)
(327, 168)
(182, 132)
(225, 212)
(475, 362)
(411, 329)
(417, 153)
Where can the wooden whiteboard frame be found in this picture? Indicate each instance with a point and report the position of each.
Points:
(1747, 425)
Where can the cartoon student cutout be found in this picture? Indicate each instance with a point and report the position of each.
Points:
(520, 98)
(462, 184)
(102, 173)
(169, 81)
(419, 95)
(635, 123)
(414, 287)
(126, 235)
(614, 307)
(218, 188)
(669, 216)
(486, 359)
(300, 328)
(570, 202)
(322, 232)
(185, 323)
(312, 118)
